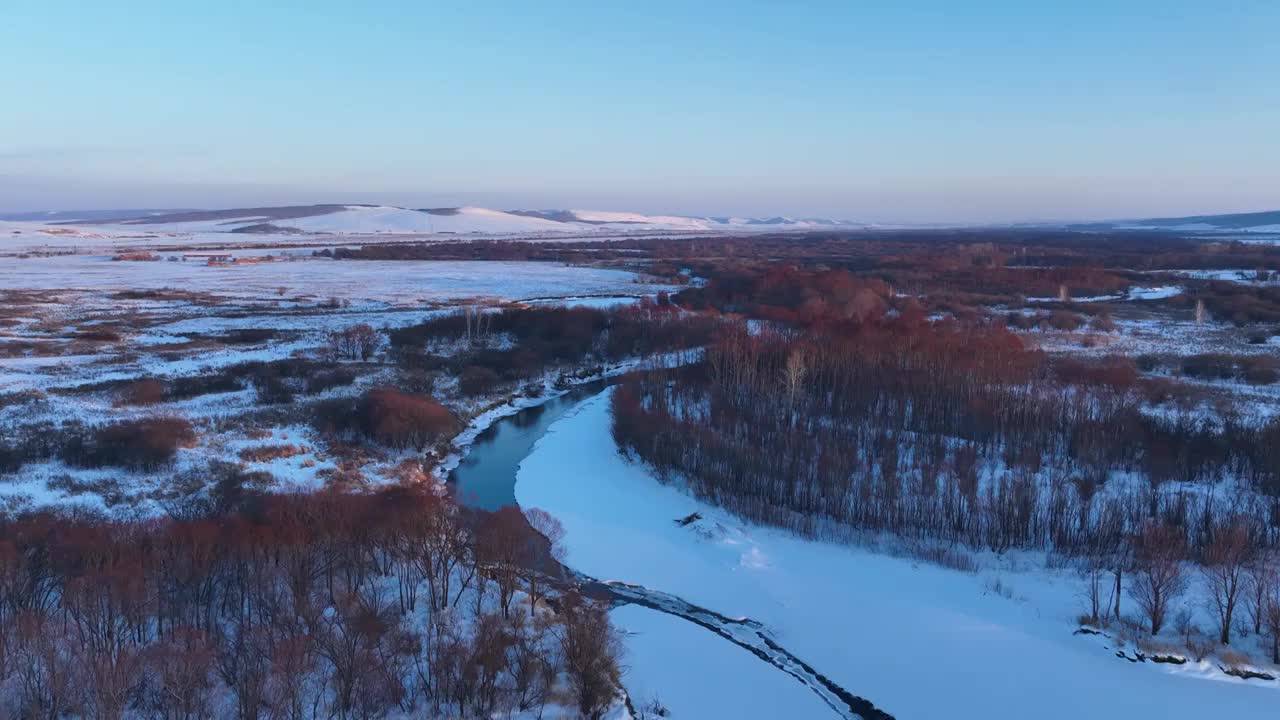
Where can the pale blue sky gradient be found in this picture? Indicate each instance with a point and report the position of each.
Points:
(907, 111)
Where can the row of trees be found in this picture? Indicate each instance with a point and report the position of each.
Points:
(488, 350)
(332, 605)
(1240, 581)
(955, 433)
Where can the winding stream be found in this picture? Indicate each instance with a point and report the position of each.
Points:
(486, 480)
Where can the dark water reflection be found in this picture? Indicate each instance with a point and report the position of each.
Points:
(486, 477)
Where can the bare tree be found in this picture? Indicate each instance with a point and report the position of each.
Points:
(357, 342)
(501, 546)
(1158, 579)
(545, 549)
(591, 648)
(793, 375)
(1225, 569)
(1095, 569)
(1272, 606)
(1262, 576)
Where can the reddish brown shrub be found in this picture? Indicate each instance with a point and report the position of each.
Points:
(98, 334)
(146, 444)
(398, 419)
(267, 453)
(143, 392)
(388, 417)
(1063, 320)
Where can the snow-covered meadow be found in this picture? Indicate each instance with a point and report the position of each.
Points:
(393, 282)
(77, 329)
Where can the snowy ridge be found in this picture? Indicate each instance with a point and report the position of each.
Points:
(388, 219)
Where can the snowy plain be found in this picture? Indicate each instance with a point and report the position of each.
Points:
(400, 282)
(917, 640)
(167, 320)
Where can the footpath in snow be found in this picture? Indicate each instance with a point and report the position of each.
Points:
(917, 640)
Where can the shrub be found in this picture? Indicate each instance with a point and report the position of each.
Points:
(388, 417)
(1063, 320)
(1149, 362)
(398, 419)
(189, 387)
(1102, 322)
(11, 458)
(248, 336)
(1209, 365)
(1260, 369)
(357, 342)
(1114, 372)
(273, 390)
(143, 392)
(267, 453)
(98, 334)
(338, 377)
(148, 444)
(476, 380)
(416, 380)
(230, 487)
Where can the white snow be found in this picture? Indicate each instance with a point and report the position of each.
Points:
(358, 219)
(1154, 293)
(473, 222)
(662, 221)
(1134, 293)
(668, 661)
(917, 640)
(1241, 276)
(1087, 299)
(399, 282)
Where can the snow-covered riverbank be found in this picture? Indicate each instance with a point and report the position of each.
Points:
(917, 640)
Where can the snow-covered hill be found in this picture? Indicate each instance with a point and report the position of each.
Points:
(376, 219)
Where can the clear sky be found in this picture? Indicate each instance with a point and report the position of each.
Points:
(908, 110)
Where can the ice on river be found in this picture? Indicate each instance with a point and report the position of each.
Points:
(917, 640)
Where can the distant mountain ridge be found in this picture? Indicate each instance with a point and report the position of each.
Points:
(341, 219)
(84, 216)
(1259, 222)
(363, 219)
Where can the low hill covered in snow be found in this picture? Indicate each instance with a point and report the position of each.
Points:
(375, 219)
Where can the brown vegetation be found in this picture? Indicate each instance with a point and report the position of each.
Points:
(148, 444)
(294, 607)
(357, 342)
(388, 417)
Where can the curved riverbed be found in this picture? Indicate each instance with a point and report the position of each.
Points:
(486, 479)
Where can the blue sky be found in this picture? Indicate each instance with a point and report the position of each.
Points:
(909, 111)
